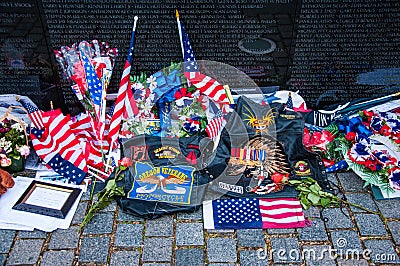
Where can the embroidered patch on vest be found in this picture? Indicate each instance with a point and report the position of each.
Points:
(302, 168)
(230, 187)
(166, 183)
(139, 153)
(261, 125)
(166, 152)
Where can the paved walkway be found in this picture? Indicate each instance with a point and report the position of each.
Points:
(115, 238)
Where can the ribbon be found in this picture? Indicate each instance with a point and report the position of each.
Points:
(354, 125)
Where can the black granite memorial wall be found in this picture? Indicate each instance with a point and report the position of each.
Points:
(329, 50)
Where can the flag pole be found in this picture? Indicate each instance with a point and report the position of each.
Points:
(180, 31)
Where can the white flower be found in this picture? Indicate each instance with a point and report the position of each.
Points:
(6, 145)
(17, 126)
(23, 150)
(138, 86)
(152, 82)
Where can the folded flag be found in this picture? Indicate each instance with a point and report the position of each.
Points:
(247, 213)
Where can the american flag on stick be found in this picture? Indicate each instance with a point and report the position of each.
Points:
(207, 85)
(214, 125)
(123, 102)
(34, 113)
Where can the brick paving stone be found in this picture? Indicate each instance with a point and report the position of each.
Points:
(59, 258)
(221, 264)
(127, 217)
(3, 259)
(122, 258)
(80, 213)
(101, 223)
(251, 257)
(382, 251)
(250, 238)
(197, 215)
(315, 232)
(94, 249)
(32, 234)
(352, 262)
(111, 207)
(157, 264)
(7, 237)
(281, 231)
(363, 199)
(395, 230)
(370, 224)
(64, 238)
(221, 250)
(335, 218)
(316, 255)
(220, 231)
(25, 251)
(86, 195)
(192, 257)
(189, 234)
(162, 226)
(312, 212)
(129, 235)
(387, 207)
(285, 250)
(351, 182)
(157, 249)
(345, 240)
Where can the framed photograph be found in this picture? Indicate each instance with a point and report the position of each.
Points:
(47, 199)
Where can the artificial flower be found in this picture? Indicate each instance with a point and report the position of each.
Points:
(385, 130)
(151, 81)
(24, 150)
(4, 161)
(351, 136)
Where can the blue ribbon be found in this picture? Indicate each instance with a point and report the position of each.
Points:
(354, 125)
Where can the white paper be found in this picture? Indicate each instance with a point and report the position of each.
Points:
(47, 197)
(27, 219)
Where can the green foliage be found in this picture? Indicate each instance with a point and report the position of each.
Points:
(105, 196)
(312, 194)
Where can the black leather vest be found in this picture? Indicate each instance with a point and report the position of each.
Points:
(258, 142)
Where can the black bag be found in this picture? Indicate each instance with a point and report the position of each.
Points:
(260, 148)
(167, 175)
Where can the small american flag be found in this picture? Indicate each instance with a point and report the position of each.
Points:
(246, 213)
(124, 95)
(205, 84)
(94, 84)
(214, 126)
(34, 113)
